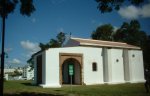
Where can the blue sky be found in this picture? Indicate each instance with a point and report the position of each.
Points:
(80, 17)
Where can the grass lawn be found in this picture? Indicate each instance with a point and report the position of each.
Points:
(24, 88)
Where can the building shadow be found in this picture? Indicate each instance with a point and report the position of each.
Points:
(28, 84)
(31, 94)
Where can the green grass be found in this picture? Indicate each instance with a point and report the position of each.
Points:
(24, 87)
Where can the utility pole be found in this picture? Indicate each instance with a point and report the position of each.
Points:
(3, 46)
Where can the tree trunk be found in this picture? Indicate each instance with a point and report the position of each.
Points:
(3, 53)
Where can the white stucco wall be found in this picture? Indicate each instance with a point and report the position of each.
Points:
(93, 55)
(127, 67)
(105, 65)
(117, 66)
(52, 68)
(90, 55)
(113, 70)
(136, 66)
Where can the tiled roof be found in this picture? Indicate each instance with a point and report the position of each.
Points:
(90, 42)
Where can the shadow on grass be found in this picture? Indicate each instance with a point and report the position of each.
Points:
(31, 94)
(28, 84)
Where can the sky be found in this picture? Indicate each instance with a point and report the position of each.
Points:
(78, 17)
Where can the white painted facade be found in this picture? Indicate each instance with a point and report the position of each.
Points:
(113, 64)
(27, 73)
(9, 70)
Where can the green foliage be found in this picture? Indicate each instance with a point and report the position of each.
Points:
(43, 46)
(9, 7)
(146, 54)
(15, 73)
(131, 34)
(31, 63)
(61, 37)
(103, 32)
(26, 7)
(54, 43)
(110, 5)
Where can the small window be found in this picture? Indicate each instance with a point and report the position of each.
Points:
(94, 66)
(133, 55)
(117, 60)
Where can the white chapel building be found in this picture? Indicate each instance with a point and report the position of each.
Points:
(93, 61)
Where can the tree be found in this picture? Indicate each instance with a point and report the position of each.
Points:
(54, 43)
(44, 46)
(103, 32)
(17, 73)
(131, 34)
(146, 54)
(61, 37)
(121, 33)
(110, 5)
(7, 7)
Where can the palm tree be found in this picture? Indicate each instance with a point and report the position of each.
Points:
(7, 7)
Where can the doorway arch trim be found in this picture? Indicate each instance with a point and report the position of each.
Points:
(63, 57)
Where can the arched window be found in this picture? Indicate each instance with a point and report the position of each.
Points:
(94, 66)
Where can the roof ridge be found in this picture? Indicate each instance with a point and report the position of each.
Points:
(102, 41)
(112, 43)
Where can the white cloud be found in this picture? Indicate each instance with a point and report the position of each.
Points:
(145, 12)
(30, 46)
(133, 12)
(130, 12)
(14, 61)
